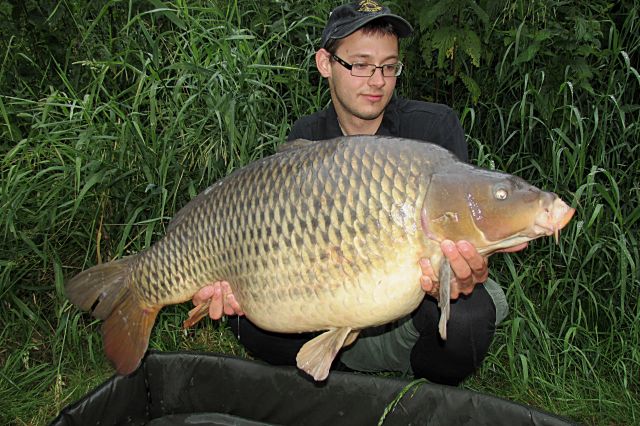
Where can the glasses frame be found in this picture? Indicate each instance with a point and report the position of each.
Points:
(399, 65)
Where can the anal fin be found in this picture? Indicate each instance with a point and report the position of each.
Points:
(315, 356)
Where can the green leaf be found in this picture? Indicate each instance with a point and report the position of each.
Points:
(427, 51)
(479, 12)
(472, 87)
(164, 9)
(430, 13)
(542, 35)
(5, 9)
(527, 54)
(444, 39)
(471, 45)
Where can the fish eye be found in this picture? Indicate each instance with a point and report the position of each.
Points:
(501, 194)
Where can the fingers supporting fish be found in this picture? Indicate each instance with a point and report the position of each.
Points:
(428, 280)
(231, 305)
(467, 265)
(220, 300)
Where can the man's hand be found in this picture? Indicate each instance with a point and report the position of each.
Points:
(221, 299)
(468, 266)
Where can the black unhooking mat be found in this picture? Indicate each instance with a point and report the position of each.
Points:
(205, 389)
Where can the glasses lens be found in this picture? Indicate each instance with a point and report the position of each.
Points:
(362, 70)
(392, 70)
(367, 70)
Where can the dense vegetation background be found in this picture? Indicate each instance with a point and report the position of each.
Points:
(113, 114)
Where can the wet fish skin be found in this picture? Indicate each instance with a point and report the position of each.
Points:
(320, 236)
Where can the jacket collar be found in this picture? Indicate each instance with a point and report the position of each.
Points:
(388, 127)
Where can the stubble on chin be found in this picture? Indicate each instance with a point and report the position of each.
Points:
(362, 113)
(353, 104)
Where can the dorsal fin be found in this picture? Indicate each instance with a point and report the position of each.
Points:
(184, 212)
(294, 144)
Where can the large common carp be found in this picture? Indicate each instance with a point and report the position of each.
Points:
(322, 235)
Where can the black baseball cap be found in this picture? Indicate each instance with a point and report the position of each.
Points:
(347, 19)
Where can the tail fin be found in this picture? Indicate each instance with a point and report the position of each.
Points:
(104, 290)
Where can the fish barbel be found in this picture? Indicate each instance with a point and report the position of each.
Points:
(322, 235)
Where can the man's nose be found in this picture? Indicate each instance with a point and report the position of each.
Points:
(377, 79)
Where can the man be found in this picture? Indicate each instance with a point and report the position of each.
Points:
(359, 57)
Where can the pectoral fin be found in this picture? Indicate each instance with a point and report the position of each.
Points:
(315, 356)
(197, 313)
(444, 300)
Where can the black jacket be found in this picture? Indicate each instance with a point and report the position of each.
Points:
(403, 118)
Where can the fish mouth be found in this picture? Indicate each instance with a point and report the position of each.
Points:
(553, 218)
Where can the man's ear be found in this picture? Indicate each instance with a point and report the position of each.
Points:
(323, 62)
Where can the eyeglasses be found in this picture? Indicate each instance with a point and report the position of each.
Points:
(359, 69)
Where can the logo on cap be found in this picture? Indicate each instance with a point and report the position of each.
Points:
(369, 6)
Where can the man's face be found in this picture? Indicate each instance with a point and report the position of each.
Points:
(362, 97)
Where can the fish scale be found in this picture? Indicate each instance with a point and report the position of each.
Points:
(322, 235)
(293, 225)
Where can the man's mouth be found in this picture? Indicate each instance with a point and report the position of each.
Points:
(373, 98)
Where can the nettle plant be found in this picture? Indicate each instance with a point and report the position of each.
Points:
(450, 38)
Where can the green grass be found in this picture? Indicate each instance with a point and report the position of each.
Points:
(151, 105)
(570, 342)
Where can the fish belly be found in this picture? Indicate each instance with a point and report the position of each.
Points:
(337, 296)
